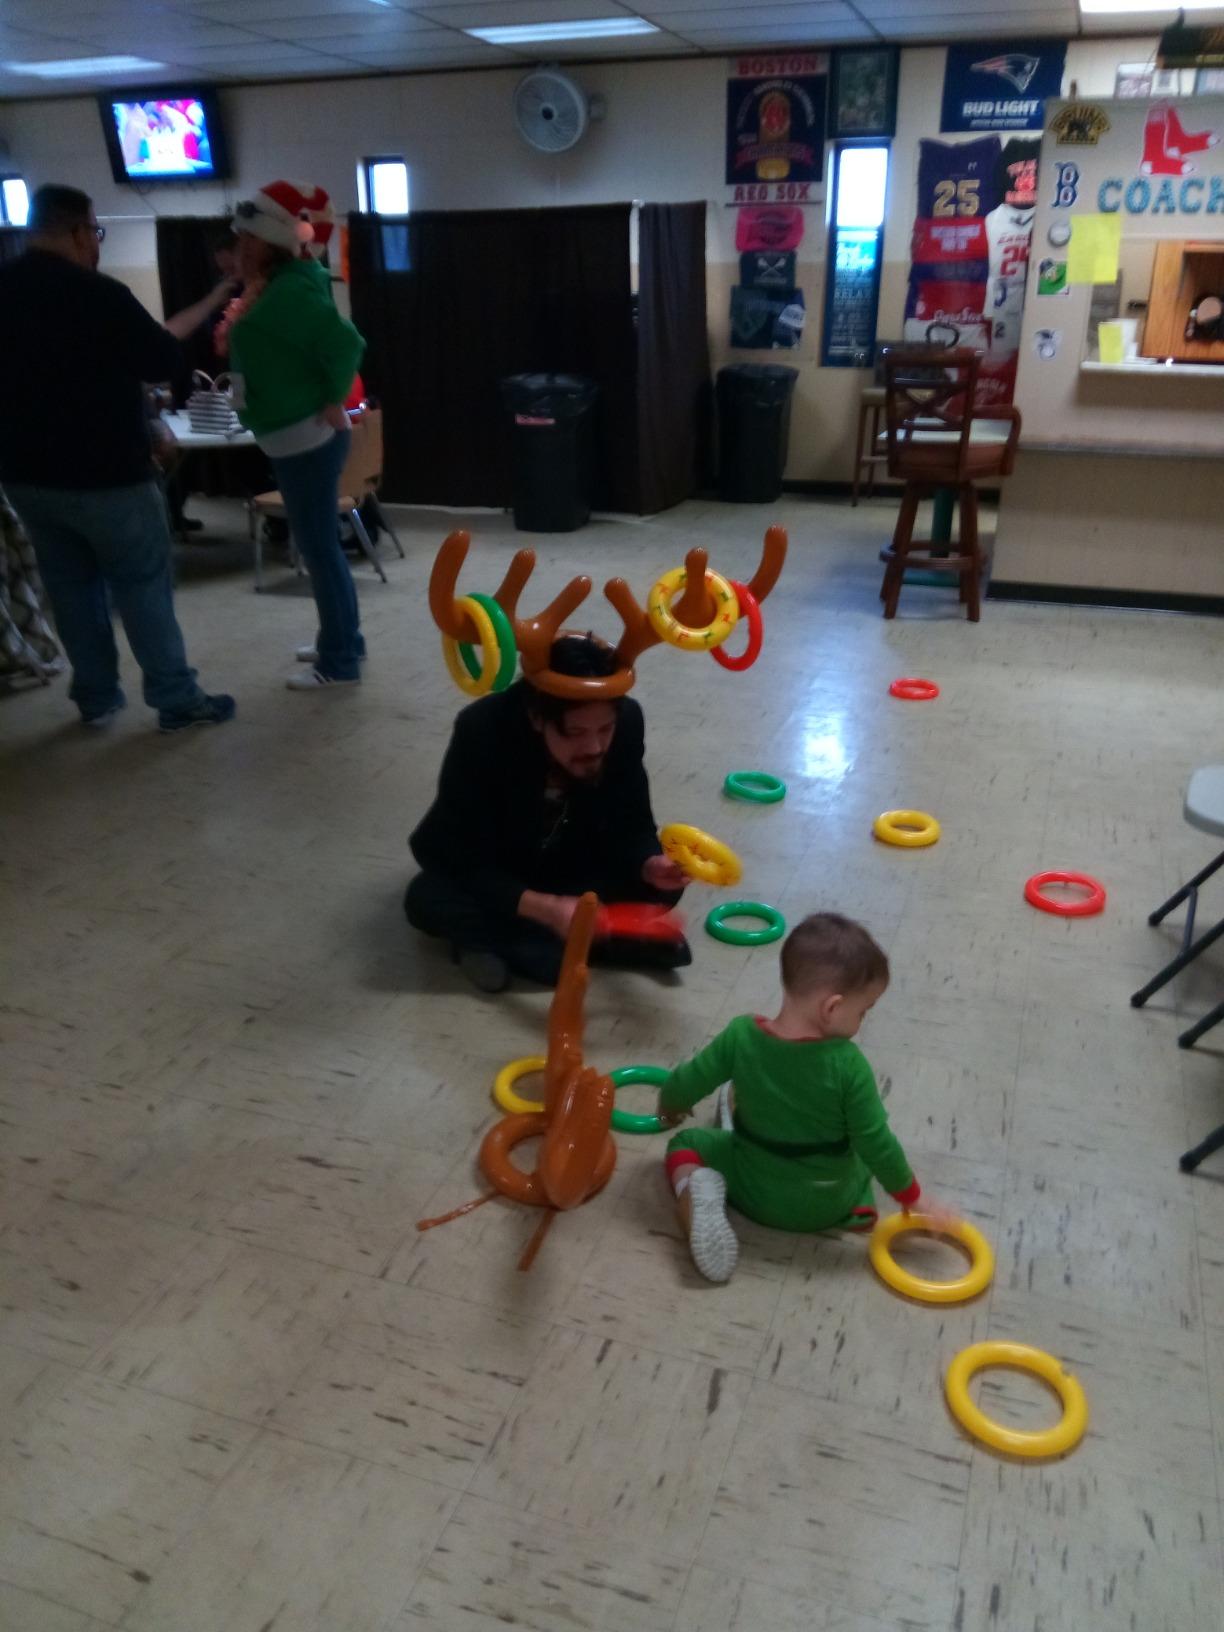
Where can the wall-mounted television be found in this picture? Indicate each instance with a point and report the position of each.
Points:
(171, 135)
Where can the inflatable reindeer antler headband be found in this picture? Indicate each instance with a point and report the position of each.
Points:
(703, 616)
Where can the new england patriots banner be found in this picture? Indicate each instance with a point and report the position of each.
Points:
(1001, 85)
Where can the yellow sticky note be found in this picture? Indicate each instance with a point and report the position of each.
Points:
(1110, 342)
(1092, 254)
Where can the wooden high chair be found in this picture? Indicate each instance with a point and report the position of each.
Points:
(936, 439)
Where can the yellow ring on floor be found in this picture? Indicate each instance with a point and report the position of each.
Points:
(1063, 1436)
(977, 1278)
(503, 1086)
(912, 829)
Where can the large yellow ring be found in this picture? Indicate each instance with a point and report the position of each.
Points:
(912, 829)
(503, 1086)
(975, 1280)
(490, 652)
(1063, 1436)
(702, 856)
(669, 628)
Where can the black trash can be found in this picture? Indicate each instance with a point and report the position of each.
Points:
(754, 403)
(553, 436)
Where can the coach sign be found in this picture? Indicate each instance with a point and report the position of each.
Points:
(1001, 85)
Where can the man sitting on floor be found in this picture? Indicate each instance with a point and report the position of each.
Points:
(539, 800)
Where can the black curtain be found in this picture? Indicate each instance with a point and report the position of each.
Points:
(186, 272)
(12, 244)
(673, 385)
(452, 303)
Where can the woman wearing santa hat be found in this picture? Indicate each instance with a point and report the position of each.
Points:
(293, 360)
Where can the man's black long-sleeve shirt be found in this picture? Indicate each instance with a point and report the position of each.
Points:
(75, 347)
(494, 829)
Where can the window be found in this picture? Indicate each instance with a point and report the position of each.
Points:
(382, 186)
(860, 186)
(14, 201)
(856, 242)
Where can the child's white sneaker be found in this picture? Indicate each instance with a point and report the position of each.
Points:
(712, 1241)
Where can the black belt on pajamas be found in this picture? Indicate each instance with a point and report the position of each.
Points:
(785, 1147)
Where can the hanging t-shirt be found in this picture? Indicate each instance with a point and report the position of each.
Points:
(958, 180)
(1009, 233)
(1017, 178)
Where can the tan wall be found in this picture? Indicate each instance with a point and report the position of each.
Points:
(662, 141)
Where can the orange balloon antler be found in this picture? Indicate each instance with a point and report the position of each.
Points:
(578, 1155)
(535, 636)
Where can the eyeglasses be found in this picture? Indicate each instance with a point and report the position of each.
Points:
(245, 211)
(91, 226)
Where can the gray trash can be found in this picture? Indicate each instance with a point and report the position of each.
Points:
(553, 450)
(754, 402)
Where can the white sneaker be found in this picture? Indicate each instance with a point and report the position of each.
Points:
(312, 680)
(712, 1241)
(307, 654)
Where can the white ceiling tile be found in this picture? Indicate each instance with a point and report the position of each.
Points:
(509, 13)
(1148, 22)
(373, 27)
(463, 54)
(1014, 14)
(255, 12)
(712, 38)
(421, 39)
(975, 26)
(147, 38)
(253, 53)
(716, 19)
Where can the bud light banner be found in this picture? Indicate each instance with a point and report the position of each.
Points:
(1001, 86)
(776, 125)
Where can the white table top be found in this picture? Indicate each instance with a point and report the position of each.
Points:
(981, 431)
(180, 424)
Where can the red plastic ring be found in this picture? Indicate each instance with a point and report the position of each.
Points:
(914, 690)
(750, 607)
(1094, 902)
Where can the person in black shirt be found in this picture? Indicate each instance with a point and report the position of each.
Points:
(538, 801)
(82, 478)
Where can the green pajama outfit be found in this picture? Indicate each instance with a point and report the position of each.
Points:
(810, 1129)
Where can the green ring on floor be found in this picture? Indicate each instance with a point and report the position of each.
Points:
(654, 1076)
(758, 787)
(508, 651)
(716, 925)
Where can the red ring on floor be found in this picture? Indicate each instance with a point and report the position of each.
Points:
(1094, 902)
(913, 690)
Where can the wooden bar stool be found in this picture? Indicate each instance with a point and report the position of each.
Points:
(937, 439)
(867, 451)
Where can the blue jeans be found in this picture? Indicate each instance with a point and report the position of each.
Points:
(309, 483)
(110, 539)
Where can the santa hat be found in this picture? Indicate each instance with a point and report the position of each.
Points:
(289, 214)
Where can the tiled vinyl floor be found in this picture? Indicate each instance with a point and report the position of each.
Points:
(240, 1393)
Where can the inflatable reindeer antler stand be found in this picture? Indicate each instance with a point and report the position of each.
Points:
(534, 637)
(577, 1153)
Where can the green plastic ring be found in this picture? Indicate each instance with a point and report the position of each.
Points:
(654, 1076)
(504, 631)
(758, 787)
(775, 924)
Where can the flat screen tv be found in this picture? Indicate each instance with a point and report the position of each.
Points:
(165, 135)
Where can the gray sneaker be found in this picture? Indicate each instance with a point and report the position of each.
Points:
(712, 1241)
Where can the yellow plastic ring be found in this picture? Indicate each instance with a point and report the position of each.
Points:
(1063, 1436)
(977, 1278)
(669, 628)
(490, 652)
(702, 856)
(912, 829)
(503, 1086)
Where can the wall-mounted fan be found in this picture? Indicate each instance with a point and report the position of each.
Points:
(552, 111)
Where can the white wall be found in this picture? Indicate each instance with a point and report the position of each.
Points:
(662, 141)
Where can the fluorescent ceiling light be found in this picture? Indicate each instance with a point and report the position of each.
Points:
(1119, 6)
(71, 67)
(598, 28)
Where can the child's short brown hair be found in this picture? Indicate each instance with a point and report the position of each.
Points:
(827, 950)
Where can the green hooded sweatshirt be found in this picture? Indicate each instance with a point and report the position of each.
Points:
(292, 354)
